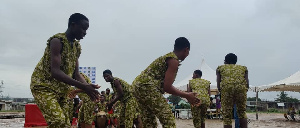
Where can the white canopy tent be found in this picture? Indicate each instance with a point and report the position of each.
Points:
(291, 83)
(207, 73)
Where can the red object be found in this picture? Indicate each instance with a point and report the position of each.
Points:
(75, 121)
(111, 111)
(33, 116)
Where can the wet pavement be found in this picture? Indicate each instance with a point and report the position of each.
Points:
(272, 120)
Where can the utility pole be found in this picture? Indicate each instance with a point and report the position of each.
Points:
(256, 90)
(1, 86)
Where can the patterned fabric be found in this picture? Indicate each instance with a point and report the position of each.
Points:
(201, 86)
(127, 112)
(108, 97)
(154, 74)
(153, 105)
(69, 55)
(233, 90)
(232, 75)
(117, 110)
(50, 94)
(199, 114)
(102, 106)
(71, 105)
(86, 111)
(152, 80)
(127, 103)
(127, 89)
(55, 107)
(138, 110)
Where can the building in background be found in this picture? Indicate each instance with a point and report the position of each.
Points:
(90, 72)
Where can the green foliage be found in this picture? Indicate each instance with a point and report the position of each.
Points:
(253, 99)
(174, 99)
(283, 97)
(185, 106)
(273, 110)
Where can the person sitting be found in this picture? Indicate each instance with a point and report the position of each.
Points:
(290, 113)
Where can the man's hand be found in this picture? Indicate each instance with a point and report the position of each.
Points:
(191, 97)
(91, 92)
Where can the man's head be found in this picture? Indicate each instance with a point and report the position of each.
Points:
(107, 75)
(102, 98)
(78, 25)
(197, 74)
(107, 91)
(182, 47)
(102, 92)
(230, 59)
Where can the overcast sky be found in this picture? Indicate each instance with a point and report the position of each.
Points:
(126, 36)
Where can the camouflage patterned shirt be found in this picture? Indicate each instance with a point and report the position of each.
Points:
(154, 74)
(201, 86)
(127, 89)
(232, 75)
(69, 55)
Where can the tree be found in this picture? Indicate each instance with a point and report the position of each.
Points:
(283, 97)
(253, 99)
(291, 99)
(174, 99)
(185, 106)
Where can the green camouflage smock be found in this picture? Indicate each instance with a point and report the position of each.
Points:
(127, 103)
(233, 90)
(50, 94)
(108, 97)
(200, 86)
(86, 111)
(154, 104)
(102, 106)
(116, 110)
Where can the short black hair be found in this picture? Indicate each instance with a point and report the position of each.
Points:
(76, 18)
(107, 71)
(231, 58)
(181, 43)
(107, 89)
(198, 72)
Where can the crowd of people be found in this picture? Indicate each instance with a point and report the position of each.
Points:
(56, 79)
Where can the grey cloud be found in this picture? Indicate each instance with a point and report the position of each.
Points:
(126, 36)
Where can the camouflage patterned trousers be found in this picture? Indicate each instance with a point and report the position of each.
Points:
(86, 111)
(55, 107)
(152, 104)
(199, 115)
(127, 112)
(71, 109)
(233, 95)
